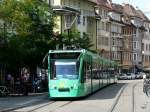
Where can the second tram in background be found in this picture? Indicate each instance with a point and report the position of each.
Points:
(77, 73)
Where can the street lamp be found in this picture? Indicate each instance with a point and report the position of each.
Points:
(98, 18)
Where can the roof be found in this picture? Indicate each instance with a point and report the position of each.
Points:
(104, 3)
(142, 15)
(117, 8)
(130, 11)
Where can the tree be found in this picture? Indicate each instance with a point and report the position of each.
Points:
(73, 39)
(29, 31)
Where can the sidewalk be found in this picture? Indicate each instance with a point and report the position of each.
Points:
(10, 103)
(29, 94)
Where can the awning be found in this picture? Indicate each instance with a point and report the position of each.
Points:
(65, 10)
(146, 69)
(126, 66)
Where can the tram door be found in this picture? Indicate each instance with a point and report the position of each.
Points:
(100, 76)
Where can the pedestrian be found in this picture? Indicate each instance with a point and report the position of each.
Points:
(8, 80)
(25, 85)
(12, 84)
(18, 86)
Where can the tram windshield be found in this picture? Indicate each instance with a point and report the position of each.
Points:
(65, 69)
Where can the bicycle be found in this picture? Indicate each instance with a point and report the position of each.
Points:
(4, 91)
(146, 87)
(147, 90)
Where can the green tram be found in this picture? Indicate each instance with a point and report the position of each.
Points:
(77, 73)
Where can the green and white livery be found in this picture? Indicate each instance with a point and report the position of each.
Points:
(77, 73)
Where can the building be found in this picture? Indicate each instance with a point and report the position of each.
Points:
(90, 17)
(76, 15)
(138, 21)
(145, 40)
(128, 30)
(103, 28)
(116, 33)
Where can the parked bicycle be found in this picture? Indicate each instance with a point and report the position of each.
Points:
(4, 91)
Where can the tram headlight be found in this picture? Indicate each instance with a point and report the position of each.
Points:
(75, 86)
(53, 86)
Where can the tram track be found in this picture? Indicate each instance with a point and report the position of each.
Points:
(114, 106)
(32, 110)
(116, 101)
(26, 106)
(133, 97)
(56, 105)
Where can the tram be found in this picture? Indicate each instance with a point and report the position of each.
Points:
(77, 73)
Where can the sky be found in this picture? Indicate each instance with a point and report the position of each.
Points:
(143, 5)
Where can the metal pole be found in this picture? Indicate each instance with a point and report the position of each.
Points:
(96, 34)
(68, 31)
(121, 60)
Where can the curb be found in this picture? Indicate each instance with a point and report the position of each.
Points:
(29, 94)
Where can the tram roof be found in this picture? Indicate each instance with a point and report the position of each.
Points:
(96, 56)
(67, 51)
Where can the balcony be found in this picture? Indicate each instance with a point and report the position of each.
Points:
(65, 10)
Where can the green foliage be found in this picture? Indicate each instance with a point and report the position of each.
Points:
(73, 39)
(27, 33)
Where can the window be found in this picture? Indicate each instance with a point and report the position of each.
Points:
(64, 69)
(146, 47)
(143, 47)
(113, 42)
(134, 45)
(102, 25)
(99, 40)
(86, 71)
(134, 56)
(107, 27)
(83, 20)
(106, 41)
(68, 20)
(79, 20)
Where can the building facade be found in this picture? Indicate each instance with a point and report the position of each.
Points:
(104, 29)
(116, 33)
(76, 15)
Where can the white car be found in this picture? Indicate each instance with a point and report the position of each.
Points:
(131, 76)
(122, 76)
(139, 76)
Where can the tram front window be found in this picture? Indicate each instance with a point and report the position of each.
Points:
(65, 69)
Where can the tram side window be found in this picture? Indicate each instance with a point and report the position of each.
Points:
(52, 74)
(108, 71)
(95, 71)
(100, 72)
(105, 72)
(112, 71)
(87, 71)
